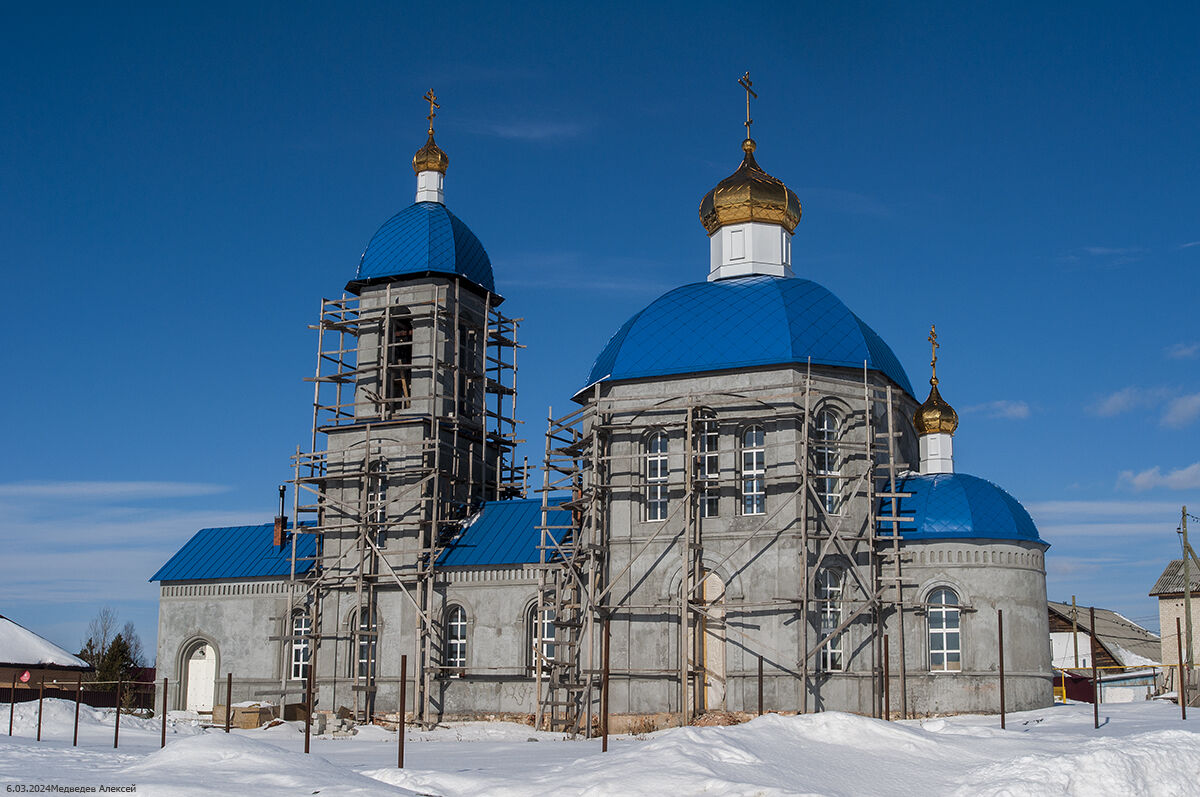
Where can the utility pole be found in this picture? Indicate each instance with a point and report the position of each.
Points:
(1187, 588)
(1075, 630)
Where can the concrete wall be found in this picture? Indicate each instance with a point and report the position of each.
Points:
(243, 621)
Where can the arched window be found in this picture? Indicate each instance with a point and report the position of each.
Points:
(301, 631)
(456, 638)
(540, 637)
(708, 465)
(365, 637)
(399, 359)
(945, 645)
(656, 476)
(829, 596)
(825, 454)
(754, 471)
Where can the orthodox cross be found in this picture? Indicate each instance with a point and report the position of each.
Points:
(431, 98)
(745, 82)
(933, 347)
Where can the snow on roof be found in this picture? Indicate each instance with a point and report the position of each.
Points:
(20, 646)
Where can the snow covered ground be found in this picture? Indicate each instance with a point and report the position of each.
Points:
(1140, 749)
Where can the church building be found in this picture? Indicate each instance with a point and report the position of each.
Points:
(748, 492)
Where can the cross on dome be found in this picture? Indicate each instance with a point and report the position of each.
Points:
(745, 82)
(431, 98)
(934, 345)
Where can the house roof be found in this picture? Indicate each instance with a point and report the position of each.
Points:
(237, 552)
(1171, 580)
(1127, 642)
(20, 647)
(502, 533)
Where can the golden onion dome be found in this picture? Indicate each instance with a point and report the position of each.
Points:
(430, 158)
(935, 415)
(749, 194)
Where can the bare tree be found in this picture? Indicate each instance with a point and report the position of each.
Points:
(101, 631)
(137, 656)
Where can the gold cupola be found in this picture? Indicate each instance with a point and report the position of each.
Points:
(749, 194)
(430, 162)
(935, 415)
(431, 158)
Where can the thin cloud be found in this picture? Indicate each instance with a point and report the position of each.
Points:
(1103, 256)
(1189, 244)
(1103, 251)
(1183, 351)
(1153, 478)
(98, 490)
(1004, 408)
(1128, 398)
(840, 201)
(1075, 510)
(1182, 411)
(535, 131)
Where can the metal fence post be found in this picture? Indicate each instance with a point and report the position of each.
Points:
(164, 716)
(403, 708)
(41, 694)
(117, 726)
(78, 699)
(1000, 636)
(228, 700)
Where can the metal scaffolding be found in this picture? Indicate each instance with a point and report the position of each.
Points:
(414, 427)
(576, 585)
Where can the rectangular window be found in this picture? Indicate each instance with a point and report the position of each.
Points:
(754, 471)
(656, 477)
(301, 630)
(365, 634)
(456, 638)
(945, 648)
(829, 594)
(541, 632)
(708, 467)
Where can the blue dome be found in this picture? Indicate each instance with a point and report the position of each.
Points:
(743, 322)
(959, 506)
(424, 238)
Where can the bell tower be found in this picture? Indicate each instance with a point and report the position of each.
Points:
(413, 430)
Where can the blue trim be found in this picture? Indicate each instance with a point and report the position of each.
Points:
(741, 323)
(959, 506)
(424, 238)
(237, 552)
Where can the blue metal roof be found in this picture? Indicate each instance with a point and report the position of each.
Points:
(503, 533)
(960, 506)
(743, 322)
(237, 552)
(424, 237)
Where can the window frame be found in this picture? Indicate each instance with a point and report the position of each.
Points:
(537, 641)
(364, 640)
(300, 648)
(657, 499)
(752, 455)
(831, 587)
(938, 627)
(708, 464)
(826, 465)
(456, 639)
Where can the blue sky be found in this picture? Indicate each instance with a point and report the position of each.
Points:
(181, 186)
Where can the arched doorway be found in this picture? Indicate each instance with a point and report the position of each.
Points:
(199, 676)
(712, 643)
